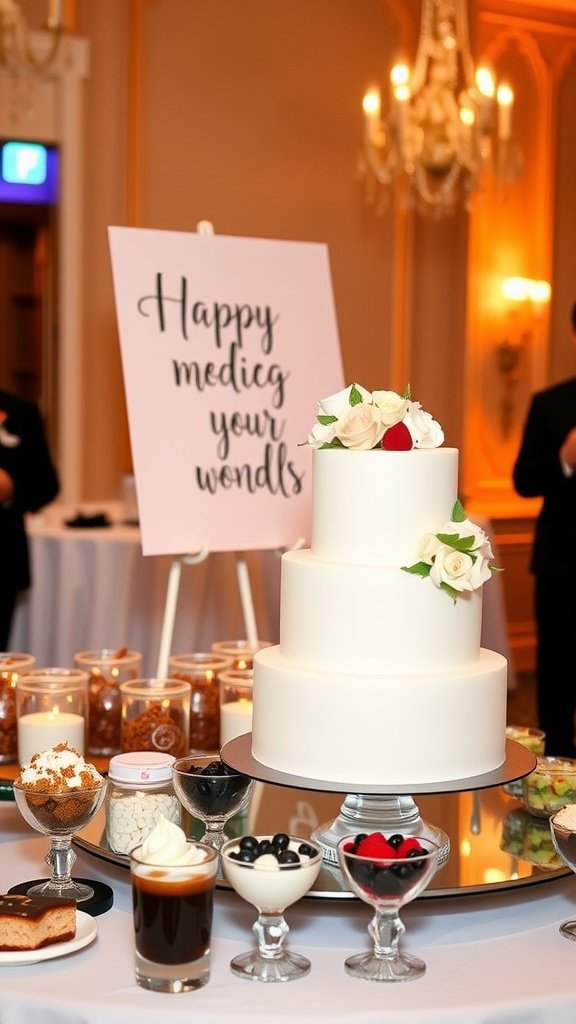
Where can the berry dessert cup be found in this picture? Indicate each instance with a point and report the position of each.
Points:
(212, 792)
(386, 872)
(563, 832)
(271, 873)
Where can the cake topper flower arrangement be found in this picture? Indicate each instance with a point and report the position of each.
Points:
(359, 420)
(457, 558)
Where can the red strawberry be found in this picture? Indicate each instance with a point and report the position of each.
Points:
(408, 845)
(348, 848)
(375, 846)
(397, 439)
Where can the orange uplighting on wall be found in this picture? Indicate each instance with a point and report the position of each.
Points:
(525, 298)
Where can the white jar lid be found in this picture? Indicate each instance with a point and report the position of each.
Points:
(143, 766)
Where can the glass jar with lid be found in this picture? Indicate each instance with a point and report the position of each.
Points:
(139, 793)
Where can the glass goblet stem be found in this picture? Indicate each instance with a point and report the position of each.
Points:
(386, 929)
(60, 858)
(270, 931)
(214, 834)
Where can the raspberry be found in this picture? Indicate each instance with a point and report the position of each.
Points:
(375, 846)
(408, 846)
(397, 438)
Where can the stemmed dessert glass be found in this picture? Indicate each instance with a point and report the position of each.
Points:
(387, 885)
(211, 792)
(563, 831)
(271, 888)
(60, 816)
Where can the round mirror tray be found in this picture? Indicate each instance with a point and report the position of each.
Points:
(495, 843)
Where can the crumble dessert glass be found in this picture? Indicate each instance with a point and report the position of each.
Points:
(563, 831)
(387, 883)
(60, 816)
(211, 792)
(271, 881)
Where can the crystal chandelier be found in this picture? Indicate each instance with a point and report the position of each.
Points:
(17, 52)
(448, 123)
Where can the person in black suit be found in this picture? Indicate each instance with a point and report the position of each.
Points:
(28, 481)
(546, 467)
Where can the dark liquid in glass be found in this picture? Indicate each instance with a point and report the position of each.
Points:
(172, 920)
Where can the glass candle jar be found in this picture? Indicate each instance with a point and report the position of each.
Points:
(241, 652)
(139, 793)
(51, 708)
(202, 671)
(156, 716)
(235, 704)
(106, 669)
(11, 664)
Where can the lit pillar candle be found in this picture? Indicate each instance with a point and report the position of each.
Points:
(55, 13)
(43, 730)
(235, 719)
(505, 100)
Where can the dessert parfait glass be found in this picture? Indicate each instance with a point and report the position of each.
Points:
(563, 831)
(387, 883)
(60, 816)
(211, 792)
(271, 873)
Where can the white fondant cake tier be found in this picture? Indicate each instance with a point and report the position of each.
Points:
(372, 619)
(364, 729)
(373, 507)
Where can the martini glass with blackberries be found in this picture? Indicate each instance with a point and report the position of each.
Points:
(386, 871)
(212, 792)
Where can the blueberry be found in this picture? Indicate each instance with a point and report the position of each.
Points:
(281, 841)
(245, 856)
(265, 846)
(249, 843)
(396, 840)
(288, 857)
(358, 839)
(306, 850)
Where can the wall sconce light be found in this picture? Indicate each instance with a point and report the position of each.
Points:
(525, 298)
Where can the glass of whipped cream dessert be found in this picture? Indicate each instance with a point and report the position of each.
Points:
(211, 792)
(563, 831)
(58, 793)
(386, 872)
(271, 872)
(173, 881)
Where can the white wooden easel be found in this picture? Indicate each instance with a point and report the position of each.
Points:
(204, 227)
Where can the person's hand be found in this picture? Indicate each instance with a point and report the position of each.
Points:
(568, 449)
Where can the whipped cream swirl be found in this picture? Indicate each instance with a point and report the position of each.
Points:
(167, 845)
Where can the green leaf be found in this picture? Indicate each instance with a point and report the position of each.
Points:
(455, 541)
(418, 569)
(454, 594)
(495, 568)
(325, 420)
(458, 513)
(332, 444)
(355, 396)
(407, 393)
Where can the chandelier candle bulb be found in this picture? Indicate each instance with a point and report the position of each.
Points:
(505, 99)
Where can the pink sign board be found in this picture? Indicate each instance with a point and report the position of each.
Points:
(228, 344)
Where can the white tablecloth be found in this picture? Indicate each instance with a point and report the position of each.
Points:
(93, 588)
(491, 959)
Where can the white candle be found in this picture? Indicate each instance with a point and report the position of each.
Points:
(235, 719)
(43, 730)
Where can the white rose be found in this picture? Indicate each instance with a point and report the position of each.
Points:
(361, 428)
(424, 431)
(338, 404)
(481, 542)
(392, 406)
(428, 547)
(322, 434)
(452, 567)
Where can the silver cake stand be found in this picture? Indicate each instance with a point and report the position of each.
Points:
(378, 808)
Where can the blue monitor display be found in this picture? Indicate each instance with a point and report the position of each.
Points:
(28, 173)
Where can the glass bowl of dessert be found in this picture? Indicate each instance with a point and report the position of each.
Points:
(550, 786)
(563, 831)
(271, 873)
(58, 793)
(211, 792)
(530, 738)
(386, 871)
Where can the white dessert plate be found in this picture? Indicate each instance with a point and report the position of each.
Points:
(86, 932)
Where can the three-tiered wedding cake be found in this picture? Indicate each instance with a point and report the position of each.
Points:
(379, 677)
